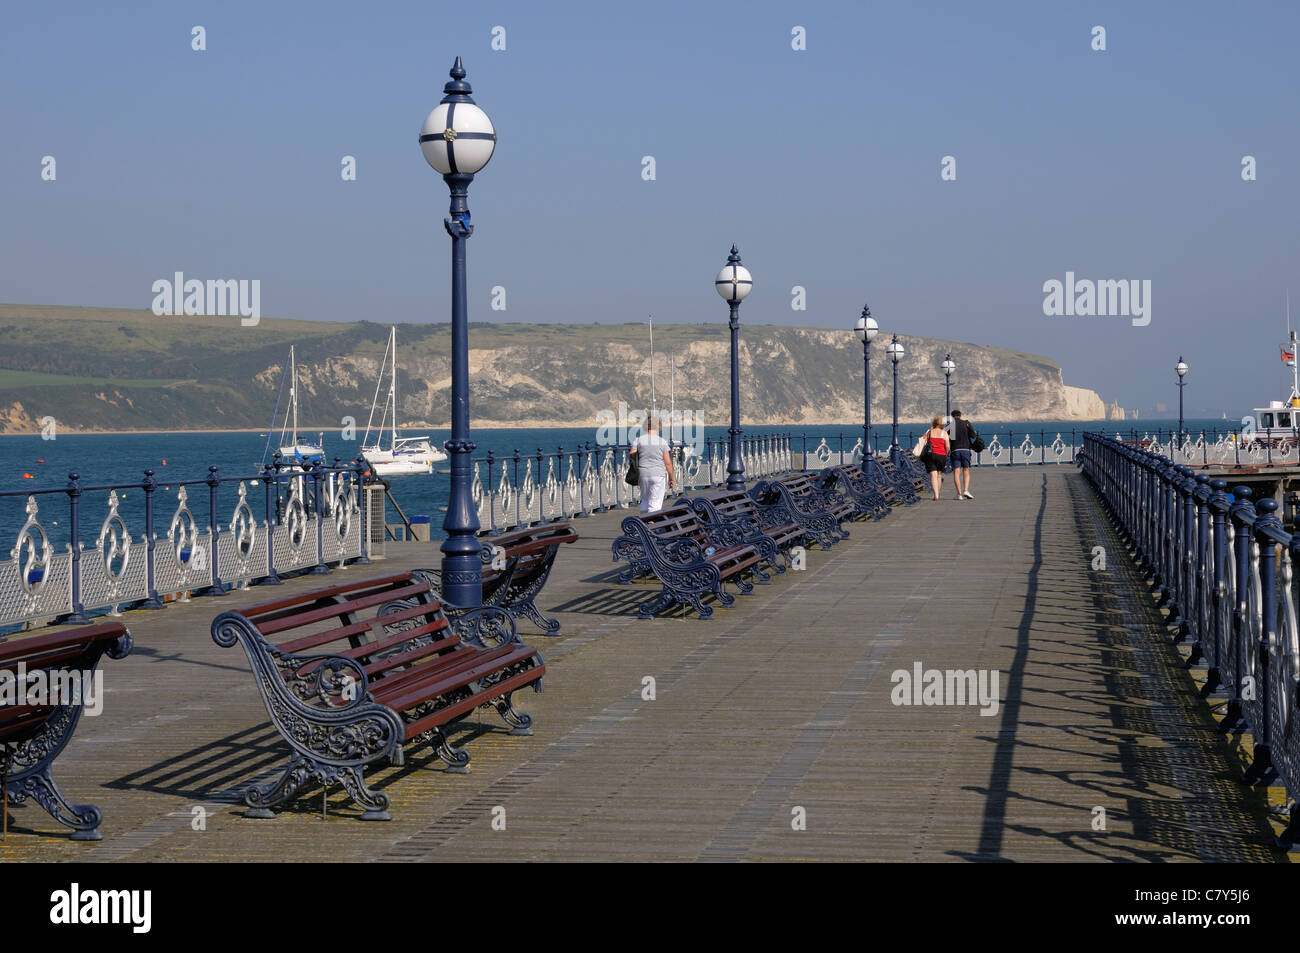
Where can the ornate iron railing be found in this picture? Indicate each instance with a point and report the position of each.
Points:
(1025, 447)
(524, 489)
(311, 518)
(1042, 447)
(1223, 566)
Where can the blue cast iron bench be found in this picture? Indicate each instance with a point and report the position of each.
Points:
(874, 499)
(515, 568)
(32, 736)
(908, 484)
(352, 673)
(770, 528)
(819, 511)
(691, 558)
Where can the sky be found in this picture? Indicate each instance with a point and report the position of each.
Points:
(824, 164)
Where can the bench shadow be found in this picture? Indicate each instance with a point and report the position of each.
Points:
(610, 575)
(623, 600)
(157, 655)
(220, 771)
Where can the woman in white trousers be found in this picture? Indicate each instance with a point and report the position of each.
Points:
(656, 466)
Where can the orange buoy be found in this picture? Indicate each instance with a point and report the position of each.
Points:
(28, 476)
(40, 461)
(164, 463)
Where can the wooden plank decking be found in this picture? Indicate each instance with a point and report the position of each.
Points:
(783, 703)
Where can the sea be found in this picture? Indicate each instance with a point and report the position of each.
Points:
(110, 465)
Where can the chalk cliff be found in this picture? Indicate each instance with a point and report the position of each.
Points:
(104, 369)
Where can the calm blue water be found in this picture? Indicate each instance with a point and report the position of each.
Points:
(120, 460)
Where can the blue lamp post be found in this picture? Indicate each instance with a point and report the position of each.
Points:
(1181, 370)
(948, 367)
(866, 330)
(734, 283)
(895, 352)
(457, 139)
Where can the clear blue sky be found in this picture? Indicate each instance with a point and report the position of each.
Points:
(822, 165)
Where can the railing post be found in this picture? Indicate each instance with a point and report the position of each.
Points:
(1243, 517)
(78, 614)
(599, 459)
(1200, 566)
(359, 474)
(560, 480)
(214, 532)
(515, 485)
(805, 451)
(271, 477)
(151, 587)
(1266, 524)
(491, 495)
(540, 483)
(320, 569)
(1185, 486)
(1220, 501)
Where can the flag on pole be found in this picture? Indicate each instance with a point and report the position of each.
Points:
(1287, 355)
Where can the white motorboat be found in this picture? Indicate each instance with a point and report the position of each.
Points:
(1280, 420)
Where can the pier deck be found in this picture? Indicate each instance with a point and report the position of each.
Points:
(783, 702)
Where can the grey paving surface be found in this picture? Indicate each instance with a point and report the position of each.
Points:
(778, 711)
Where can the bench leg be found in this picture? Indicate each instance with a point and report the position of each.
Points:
(520, 723)
(375, 802)
(660, 602)
(456, 759)
(530, 611)
(260, 800)
(84, 819)
(706, 612)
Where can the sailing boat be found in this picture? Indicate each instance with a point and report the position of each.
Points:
(686, 448)
(404, 455)
(296, 450)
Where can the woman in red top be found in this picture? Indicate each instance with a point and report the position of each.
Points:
(937, 459)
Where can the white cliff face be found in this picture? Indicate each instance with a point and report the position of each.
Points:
(1083, 404)
(521, 374)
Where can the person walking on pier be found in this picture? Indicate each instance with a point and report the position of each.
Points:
(656, 467)
(961, 431)
(937, 458)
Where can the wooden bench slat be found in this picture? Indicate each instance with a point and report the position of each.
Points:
(300, 619)
(441, 716)
(24, 646)
(416, 690)
(286, 602)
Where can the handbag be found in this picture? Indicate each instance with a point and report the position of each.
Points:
(633, 477)
(976, 441)
(921, 445)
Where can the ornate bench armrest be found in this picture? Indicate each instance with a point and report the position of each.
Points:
(312, 684)
(484, 626)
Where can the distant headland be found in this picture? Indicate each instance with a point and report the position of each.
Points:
(111, 370)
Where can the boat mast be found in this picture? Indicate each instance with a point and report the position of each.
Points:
(392, 388)
(672, 391)
(293, 394)
(653, 406)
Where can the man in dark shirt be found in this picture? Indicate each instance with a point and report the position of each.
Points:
(960, 455)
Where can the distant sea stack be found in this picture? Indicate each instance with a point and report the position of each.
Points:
(132, 370)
